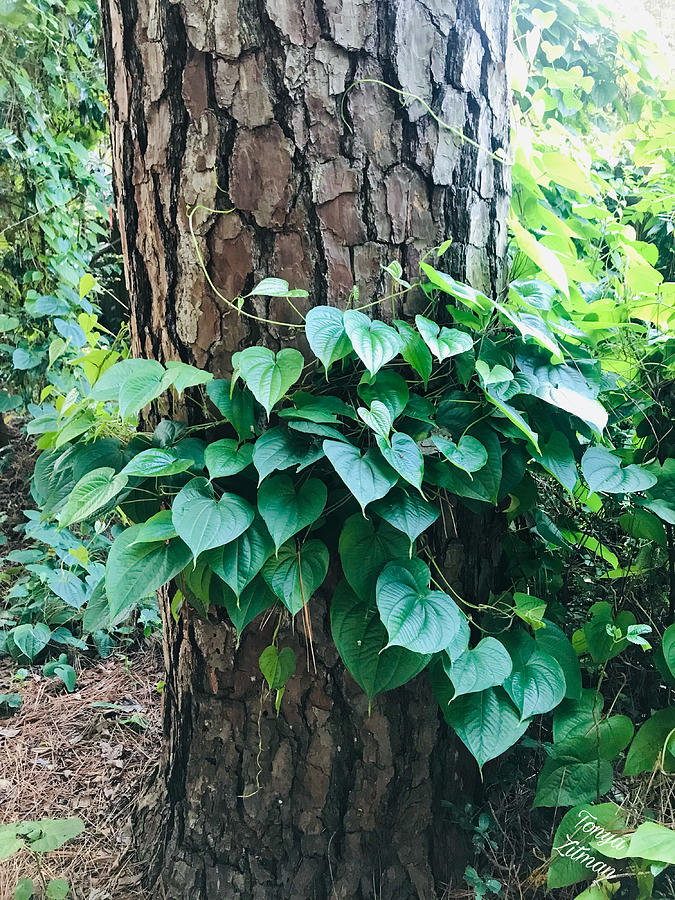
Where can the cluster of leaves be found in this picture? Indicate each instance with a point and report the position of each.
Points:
(38, 838)
(55, 190)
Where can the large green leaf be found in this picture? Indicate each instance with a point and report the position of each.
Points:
(486, 722)
(155, 462)
(361, 639)
(374, 342)
(204, 522)
(268, 375)
(467, 454)
(31, 640)
(135, 570)
(415, 617)
(387, 387)
(295, 573)
(159, 527)
(227, 457)
(408, 513)
(566, 781)
(443, 342)
(487, 665)
(285, 510)
(668, 648)
(365, 549)
(653, 841)
(238, 562)
(137, 391)
(648, 744)
(537, 682)
(368, 477)
(564, 387)
(404, 456)
(474, 299)
(108, 386)
(91, 493)
(180, 375)
(605, 474)
(326, 335)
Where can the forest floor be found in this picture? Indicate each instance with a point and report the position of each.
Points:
(84, 754)
(81, 754)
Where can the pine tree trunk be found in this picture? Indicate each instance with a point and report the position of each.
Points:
(238, 104)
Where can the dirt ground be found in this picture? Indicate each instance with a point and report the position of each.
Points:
(62, 756)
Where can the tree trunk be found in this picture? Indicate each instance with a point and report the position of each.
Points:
(238, 104)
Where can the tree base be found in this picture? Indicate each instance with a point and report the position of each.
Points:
(327, 800)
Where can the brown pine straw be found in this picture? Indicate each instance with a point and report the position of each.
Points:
(61, 757)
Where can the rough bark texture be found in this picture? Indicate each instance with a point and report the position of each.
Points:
(237, 104)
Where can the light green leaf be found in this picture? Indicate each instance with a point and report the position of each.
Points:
(31, 640)
(361, 639)
(268, 375)
(203, 522)
(443, 342)
(475, 300)
(368, 477)
(137, 391)
(57, 889)
(374, 342)
(180, 376)
(92, 492)
(277, 666)
(541, 256)
(25, 887)
(275, 287)
(285, 510)
(537, 682)
(227, 457)
(654, 842)
(468, 454)
(155, 462)
(410, 514)
(295, 573)
(530, 609)
(326, 335)
(136, 570)
(404, 456)
(377, 418)
(486, 666)
(159, 527)
(415, 617)
(605, 474)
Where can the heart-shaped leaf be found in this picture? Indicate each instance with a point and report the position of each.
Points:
(368, 477)
(268, 375)
(255, 599)
(295, 573)
(180, 375)
(374, 342)
(238, 562)
(649, 742)
(154, 462)
(137, 391)
(326, 335)
(277, 666)
(361, 639)
(377, 418)
(537, 682)
(227, 457)
(486, 722)
(408, 513)
(558, 459)
(443, 342)
(235, 404)
(468, 454)
(135, 570)
(404, 456)
(556, 643)
(159, 527)
(31, 639)
(275, 287)
(285, 510)
(605, 474)
(487, 665)
(365, 548)
(415, 617)
(204, 522)
(92, 492)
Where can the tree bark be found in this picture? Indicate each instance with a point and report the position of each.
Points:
(238, 104)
